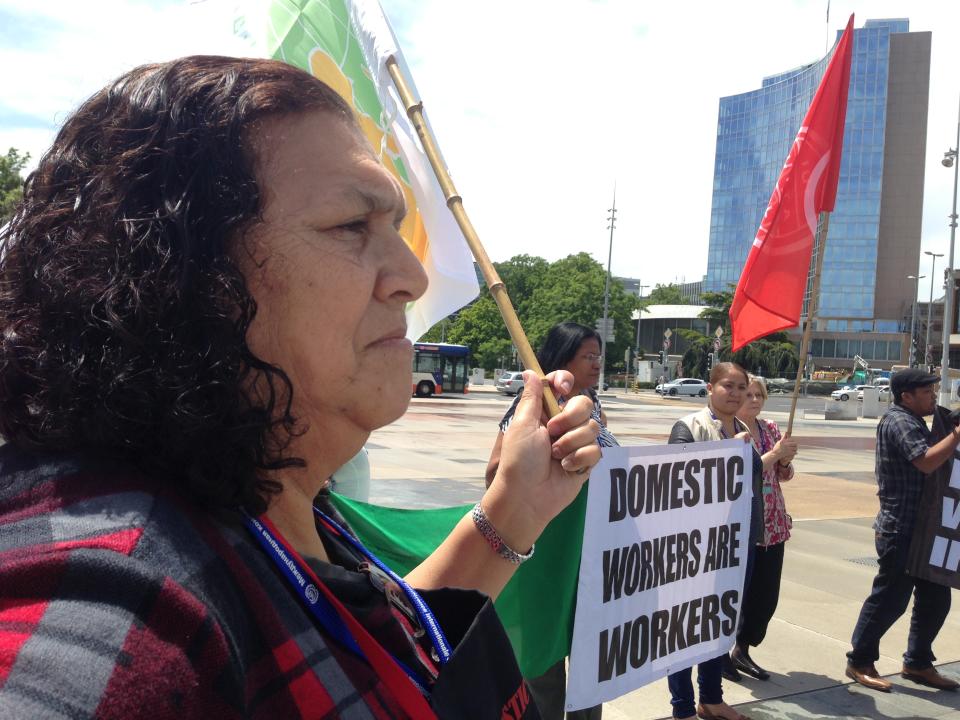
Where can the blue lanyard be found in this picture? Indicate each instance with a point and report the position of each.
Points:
(763, 438)
(299, 578)
(723, 433)
(427, 619)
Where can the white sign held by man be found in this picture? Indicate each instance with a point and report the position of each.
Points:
(662, 570)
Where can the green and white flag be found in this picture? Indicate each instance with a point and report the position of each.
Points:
(346, 44)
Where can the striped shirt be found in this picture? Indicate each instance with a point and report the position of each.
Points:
(604, 439)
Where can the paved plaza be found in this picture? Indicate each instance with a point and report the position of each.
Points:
(436, 454)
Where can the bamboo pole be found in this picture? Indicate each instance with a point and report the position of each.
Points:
(821, 247)
(414, 109)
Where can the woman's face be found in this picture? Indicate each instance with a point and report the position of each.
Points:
(331, 278)
(585, 365)
(753, 401)
(727, 394)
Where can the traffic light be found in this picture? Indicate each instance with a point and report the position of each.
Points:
(710, 357)
(662, 358)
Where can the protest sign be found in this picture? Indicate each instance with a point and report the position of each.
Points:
(935, 546)
(662, 567)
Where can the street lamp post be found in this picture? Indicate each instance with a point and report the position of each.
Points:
(913, 317)
(606, 291)
(949, 160)
(927, 355)
(640, 288)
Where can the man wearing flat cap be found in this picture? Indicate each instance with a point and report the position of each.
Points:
(906, 456)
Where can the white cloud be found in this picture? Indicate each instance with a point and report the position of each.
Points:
(539, 106)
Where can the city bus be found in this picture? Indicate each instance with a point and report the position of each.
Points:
(440, 368)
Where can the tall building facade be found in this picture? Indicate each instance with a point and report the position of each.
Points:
(874, 234)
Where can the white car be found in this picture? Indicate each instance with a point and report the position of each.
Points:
(845, 393)
(684, 386)
(510, 383)
(884, 391)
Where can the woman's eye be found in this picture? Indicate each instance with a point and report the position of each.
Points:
(358, 226)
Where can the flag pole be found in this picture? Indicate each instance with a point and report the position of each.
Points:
(498, 290)
(821, 246)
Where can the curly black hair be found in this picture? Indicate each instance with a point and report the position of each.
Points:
(123, 315)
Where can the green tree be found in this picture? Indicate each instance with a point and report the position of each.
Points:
(695, 358)
(522, 275)
(543, 294)
(718, 309)
(481, 328)
(770, 356)
(572, 291)
(11, 183)
(666, 295)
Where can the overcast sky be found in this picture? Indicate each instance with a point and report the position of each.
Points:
(539, 106)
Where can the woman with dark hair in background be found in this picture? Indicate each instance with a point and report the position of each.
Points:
(575, 348)
(202, 304)
(717, 421)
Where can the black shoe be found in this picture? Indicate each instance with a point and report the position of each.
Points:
(743, 662)
(729, 670)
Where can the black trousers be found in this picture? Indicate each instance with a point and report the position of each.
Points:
(550, 691)
(888, 600)
(761, 595)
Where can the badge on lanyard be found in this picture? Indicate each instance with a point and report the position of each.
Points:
(329, 613)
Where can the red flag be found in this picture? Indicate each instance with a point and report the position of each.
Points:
(769, 296)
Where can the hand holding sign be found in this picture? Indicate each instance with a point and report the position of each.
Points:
(661, 574)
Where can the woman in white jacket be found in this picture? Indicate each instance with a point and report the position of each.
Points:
(717, 421)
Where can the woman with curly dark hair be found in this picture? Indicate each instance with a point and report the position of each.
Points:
(202, 304)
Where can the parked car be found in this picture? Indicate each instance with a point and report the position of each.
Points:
(845, 393)
(510, 383)
(684, 386)
(884, 391)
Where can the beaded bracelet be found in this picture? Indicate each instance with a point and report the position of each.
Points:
(493, 538)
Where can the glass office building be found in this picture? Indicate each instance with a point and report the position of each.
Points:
(874, 234)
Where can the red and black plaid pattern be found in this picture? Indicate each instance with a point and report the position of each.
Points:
(118, 600)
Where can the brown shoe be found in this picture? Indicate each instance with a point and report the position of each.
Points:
(704, 713)
(929, 676)
(868, 676)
